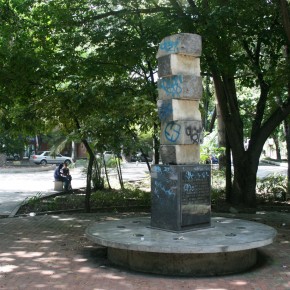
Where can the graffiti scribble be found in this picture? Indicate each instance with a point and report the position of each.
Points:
(165, 111)
(169, 45)
(171, 86)
(195, 133)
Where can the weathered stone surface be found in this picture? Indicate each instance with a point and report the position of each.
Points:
(228, 246)
(176, 64)
(224, 236)
(184, 264)
(180, 154)
(181, 132)
(169, 110)
(180, 87)
(182, 43)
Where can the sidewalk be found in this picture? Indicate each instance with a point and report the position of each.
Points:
(21, 183)
(51, 252)
(16, 188)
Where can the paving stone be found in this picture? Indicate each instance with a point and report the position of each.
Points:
(51, 252)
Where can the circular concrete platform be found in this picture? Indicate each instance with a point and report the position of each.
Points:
(228, 246)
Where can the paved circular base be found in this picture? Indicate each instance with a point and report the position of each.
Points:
(229, 246)
(212, 264)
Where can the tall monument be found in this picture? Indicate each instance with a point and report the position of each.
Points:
(180, 187)
(180, 190)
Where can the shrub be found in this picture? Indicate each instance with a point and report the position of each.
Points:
(272, 187)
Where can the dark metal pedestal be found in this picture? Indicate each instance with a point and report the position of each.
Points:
(180, 197)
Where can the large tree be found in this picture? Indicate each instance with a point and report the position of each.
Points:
(92, 66)
(242, 45)
(91, 84)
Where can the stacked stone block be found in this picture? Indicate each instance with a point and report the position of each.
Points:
(180, 187)
(179, 91)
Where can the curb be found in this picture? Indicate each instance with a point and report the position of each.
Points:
(26, 169)
(276, 163)
(49, 194)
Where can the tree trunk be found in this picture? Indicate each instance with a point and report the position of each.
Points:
(89, 175)
(146, 159)
(106, 171)
(73, 151)
(2, 159)
(284, 8)
(205, 100)
(287, 136)
(212, 121)
(245, 162)
(119, 171)
(244, 183)
(88, 186)
(277, 146)
(89, 170)
(156, 144)
(221, 136)
(228, 171)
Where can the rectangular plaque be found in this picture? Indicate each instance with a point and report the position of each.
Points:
(180, 197)
(195, 195)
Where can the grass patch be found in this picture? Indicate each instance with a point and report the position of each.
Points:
(104, 199)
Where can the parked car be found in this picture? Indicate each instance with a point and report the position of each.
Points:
(46, 157)
(107, 155)
(13, 157)
(141, 158)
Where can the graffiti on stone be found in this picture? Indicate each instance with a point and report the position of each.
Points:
(156, 169)
(189, 175)
(171, 86)
(194, 131)
(164, 184)
(169, 45)
(161, 187)
(172, 131)
(165, 111)
(188, 187)
(163, 170)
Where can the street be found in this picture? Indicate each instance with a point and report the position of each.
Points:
(16, 187)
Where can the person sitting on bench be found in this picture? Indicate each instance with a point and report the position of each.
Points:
(58, 176)
(65, 173)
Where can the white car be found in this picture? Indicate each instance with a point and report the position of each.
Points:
(45, 157)
(107, 155)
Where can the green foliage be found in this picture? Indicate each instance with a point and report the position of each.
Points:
(112, 162)
(34, 200)
(10, 145)
(207, 103)
(217, 185)
(272, 188)
(121, 198)
(90, 69)
(138, 140)
(210, 148)
(101, 199)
